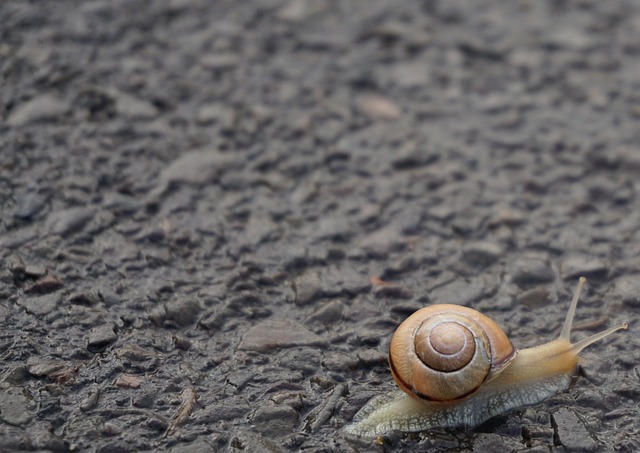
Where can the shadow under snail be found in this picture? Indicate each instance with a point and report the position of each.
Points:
(457, 368)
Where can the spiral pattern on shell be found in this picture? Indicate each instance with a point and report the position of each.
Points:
(446, 352)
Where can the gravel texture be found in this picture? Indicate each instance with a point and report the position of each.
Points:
(215, 213)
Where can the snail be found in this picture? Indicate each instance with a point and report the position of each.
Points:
(474, 371)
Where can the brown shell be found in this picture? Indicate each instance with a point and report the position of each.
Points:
(446, 352)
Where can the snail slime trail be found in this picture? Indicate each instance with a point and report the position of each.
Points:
(455, 367)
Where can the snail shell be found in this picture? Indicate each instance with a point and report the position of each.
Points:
(446, 352)
(456, 367)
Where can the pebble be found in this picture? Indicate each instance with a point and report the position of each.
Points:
(278, 333)
(183, 312)
(495, 442)
(88, 298)
(91, 399)
(306, 286)
(340, 361)
(44, 285)
(328, 313)
(13, 439)
(134, 108)
(216, 113)
(128, 381)
(44, 367)
(40, 305)
(411, 157)
(377, 107)
(628, 286)
(298, 10)
(343, 279)
(70, 220)
(100, 338)
(244, 441)
(408, 75)
(535, 297)
(198, 446)
(41, 108)
(460, 291)
(584, 266)
(481, 253)
(274, 419)
(371, 357)
(220, 61)
(135, 357)
(392, 292)
(572, 432)
(15, 376)
(35, 270)
(381, 242)
(531, 271)
(28, 204)
(15, 406)
(200, 167)
(146, 400)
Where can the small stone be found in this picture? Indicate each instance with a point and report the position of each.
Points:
(495, 442)
(128, 381)
(535, 297)
(306, 286)
(87, 298)
(460, 291)
(134, 353)
(70, 220)
(16, 375)
(628, 286)
(91, 400)
(244, 441)
(47, 284)
(120, 203)
(182, 343)
(340, 361)
(481, 253)
(278, 333)
(584, 266)
(391, 291)
(35, 270)
(298, 10)
(200, 167)
(216, 114)
(409, 75)
(572, 432)
(15, 265)
(531, 271)
(14, 407)
(146, 400)
(40, 305)
(343, 279)
(44, 367)
(372, 357)
(100, 338)
(377, 107)
(275, 419)
(197, 446)
(28, 204)
(381, 242)
(183, 312)
(134, 108)
(220, 62)
(41, 108)
(328, 313)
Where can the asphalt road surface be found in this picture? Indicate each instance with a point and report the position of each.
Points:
(214, 214)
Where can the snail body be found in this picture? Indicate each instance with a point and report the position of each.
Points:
(455, 367)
